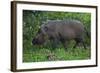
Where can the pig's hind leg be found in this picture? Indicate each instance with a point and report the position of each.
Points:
(79, 40)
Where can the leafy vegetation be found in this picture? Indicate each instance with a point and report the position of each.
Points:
(31, 22)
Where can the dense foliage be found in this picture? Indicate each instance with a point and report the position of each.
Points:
(31, 22)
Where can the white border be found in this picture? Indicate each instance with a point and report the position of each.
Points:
(21, 65)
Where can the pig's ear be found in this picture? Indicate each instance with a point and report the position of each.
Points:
(46, 28)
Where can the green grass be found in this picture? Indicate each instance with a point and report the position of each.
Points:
(57, 54)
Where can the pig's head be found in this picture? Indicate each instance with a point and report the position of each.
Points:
(41, 36)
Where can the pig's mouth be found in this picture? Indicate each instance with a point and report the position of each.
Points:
(37, 42)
